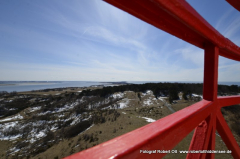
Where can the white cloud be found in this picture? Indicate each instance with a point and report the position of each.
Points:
(194, 55)
(229, 25)
(222, 20)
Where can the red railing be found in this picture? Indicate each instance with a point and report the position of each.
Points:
(178, 18)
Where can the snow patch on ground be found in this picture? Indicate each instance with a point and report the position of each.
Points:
(62, 109)
(147, 102)
(12, 109)
(8, 125)
(35, 136)
(5, 128)
(60, 116)
(14, 150)
(67, 107)
(196, 95)
(117, 95)
(18, 116)
(124, 113)
(148, 92)
(150, 120)
(40, 134)
(124, 103)
(54, 128)
(35, 109)
(11, 137)
(76, 119)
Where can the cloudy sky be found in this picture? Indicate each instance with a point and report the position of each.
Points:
(90, 40)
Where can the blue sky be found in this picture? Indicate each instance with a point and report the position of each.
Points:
(90, 40)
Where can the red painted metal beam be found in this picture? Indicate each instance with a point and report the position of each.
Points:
(227, 136)
(208, 139)
(235, 4)
(210, 83)
(163, 134)
(178, 18)
(228, 100)
(212, 139)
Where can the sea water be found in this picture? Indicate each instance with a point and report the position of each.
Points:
(20, 86)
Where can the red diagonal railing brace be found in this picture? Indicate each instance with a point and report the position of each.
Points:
(178, 18)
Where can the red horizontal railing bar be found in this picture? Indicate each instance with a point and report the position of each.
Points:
(235, 4)
(228, 100)
(163, 134)
(178, 18)
(227, 136)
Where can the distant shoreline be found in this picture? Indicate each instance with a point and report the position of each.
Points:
(23, 84)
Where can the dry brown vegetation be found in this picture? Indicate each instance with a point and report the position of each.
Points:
(105, 124)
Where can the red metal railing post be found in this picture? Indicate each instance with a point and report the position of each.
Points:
(210, 84)
(204, 135)
(210, 88)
